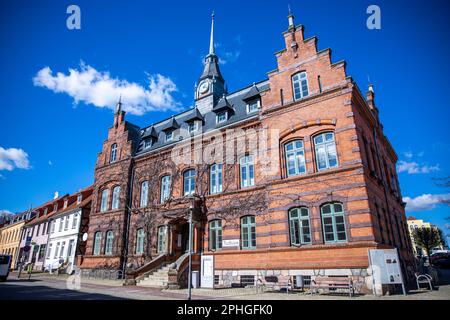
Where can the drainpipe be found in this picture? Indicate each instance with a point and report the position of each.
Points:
(128, 210)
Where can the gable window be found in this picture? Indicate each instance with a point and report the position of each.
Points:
(109, 242)
(169, 135)
(115, 198)
(97, 243)
(192, 126)
(55, 207)
(189, 182)
(253, 106)
(165, 188)
(216, 178)
(333, 222)
(222, 117)
(144, 194)
(325, 148)
(248, 232)
(140, 241)
(79, 198)
(215, 235)
(300, 85)
(295, 158)
(162, 231)
(113, 154)
(247, 171)
(104, 203)
(299, 226)
(65, 203)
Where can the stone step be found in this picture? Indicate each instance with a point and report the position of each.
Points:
(156, 278)
(152, 283)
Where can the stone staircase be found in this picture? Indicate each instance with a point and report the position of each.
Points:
(158, 278)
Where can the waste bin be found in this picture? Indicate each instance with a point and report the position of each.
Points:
(195, 279)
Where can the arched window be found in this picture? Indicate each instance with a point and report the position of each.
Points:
(140, 241)
(248, 232)
(189, 182)
(165, 188)
(299, 225)
(295, 158)
(104, 203)
(333, 222)
(144, 194)
(300, 85)
(325, 148)
(247, 171)
(109, 242)
(113, 153)
(97, 243)
(215, 176)
(162, 236)
(215, 235)
(115, 199)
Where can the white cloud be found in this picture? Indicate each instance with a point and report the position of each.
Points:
(412, 167)
(229, 56)
(50, 163)
(408, 154)
(99, 89)
(13, 158)
(425, 202)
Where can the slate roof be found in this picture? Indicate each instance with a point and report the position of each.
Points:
(239, 113)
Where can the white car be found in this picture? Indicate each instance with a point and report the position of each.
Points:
(5, 264)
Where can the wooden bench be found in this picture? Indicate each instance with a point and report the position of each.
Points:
(273, 282)
(339, 282)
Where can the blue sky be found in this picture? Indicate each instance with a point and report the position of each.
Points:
(135, 41)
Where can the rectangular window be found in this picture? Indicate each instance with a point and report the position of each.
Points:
(140, 241)
(75, 221)
(325, 148)
(66, 223)
(52, 229)
(162, 235)
(247, 171)
(169, 135)
(215, 235)
(299, 226)
(104, 203)
(61, 254)
(333, 222)
(41, 252)
(253, 106)
(295, 158)
(165, 188)
(49, 251)
(60, 224)
(115, 199)
(144, 194)
(56, 251)
(147, 143)
(247, 280)
(216, 178)
(192, 126)
(189, 182)
(300, 85)
(248, 232)
(222, 117)
(97, 243)
(70, 249)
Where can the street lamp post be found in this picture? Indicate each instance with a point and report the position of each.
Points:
(190, 254)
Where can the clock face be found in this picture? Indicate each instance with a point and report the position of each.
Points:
(203, 87)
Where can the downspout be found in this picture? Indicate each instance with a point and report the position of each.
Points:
(128, 211)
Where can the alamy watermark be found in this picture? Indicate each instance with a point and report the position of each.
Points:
(73, 21)
(374, 20)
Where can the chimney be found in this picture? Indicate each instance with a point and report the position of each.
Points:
(56, 196)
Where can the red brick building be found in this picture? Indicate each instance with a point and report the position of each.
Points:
(329, 194)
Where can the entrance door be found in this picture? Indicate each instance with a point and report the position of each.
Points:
(207, 270)
(185, 237)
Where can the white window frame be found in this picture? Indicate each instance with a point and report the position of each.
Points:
(147, 143)
(244, 167)
(109, 241)
(169, 135)
(191, 188)
(299, 157)
(97, 243)
(329, 147)
(144, 194)
(162, 239)
(75, 220)
(104, 200)
(113, 153)
(297, 78)
(251, 103)
(194, 128)
(218, 115)
(140, 241)
(216, 178)
(66, 223)
(115, 198)
(49, 250)
(70, 247)
(165, 188)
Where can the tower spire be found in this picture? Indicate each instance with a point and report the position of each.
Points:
(211, 41)
(290, 18)
(119, 105)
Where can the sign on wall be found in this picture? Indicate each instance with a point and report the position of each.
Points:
(385, 266)
(230, 243)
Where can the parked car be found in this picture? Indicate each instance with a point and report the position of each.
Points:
(5, 264)
(441, 259)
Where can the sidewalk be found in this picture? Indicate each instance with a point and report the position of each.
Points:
(64, 277)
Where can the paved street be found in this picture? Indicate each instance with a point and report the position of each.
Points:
(52, 287)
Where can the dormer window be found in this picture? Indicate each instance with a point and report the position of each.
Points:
(45, 211)
(65, 203)
(55, 207)
(300, 85)
(192, 126)
(79, 198)
(147, 143)
(113, 154)
(221, 117)
(253, 106)
(169, 135)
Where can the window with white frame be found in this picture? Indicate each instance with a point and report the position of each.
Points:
(247, 171)
(165, 188)
(144, 194)
(192, 126)
(299, 226)
(49, 250)
(147, 143)
(162, 235)
(253, 106)
(295, 158)
(104, 203)
(70, 248)
(52, 227)
(216, 178)
(109, 242)
(61, 253)
(60, 224)
(325, 149)
(56, 250)
(300, 85)
(66, 223)
(75, 221)
(97, 243)
(113, 153)
(169, 135)
(140, 241)
(79, 198)
(221, 117)
(115, 198)
(189, 182)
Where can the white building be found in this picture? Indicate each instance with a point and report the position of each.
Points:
(66, 229)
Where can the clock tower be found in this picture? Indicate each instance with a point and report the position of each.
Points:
(211, 85)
